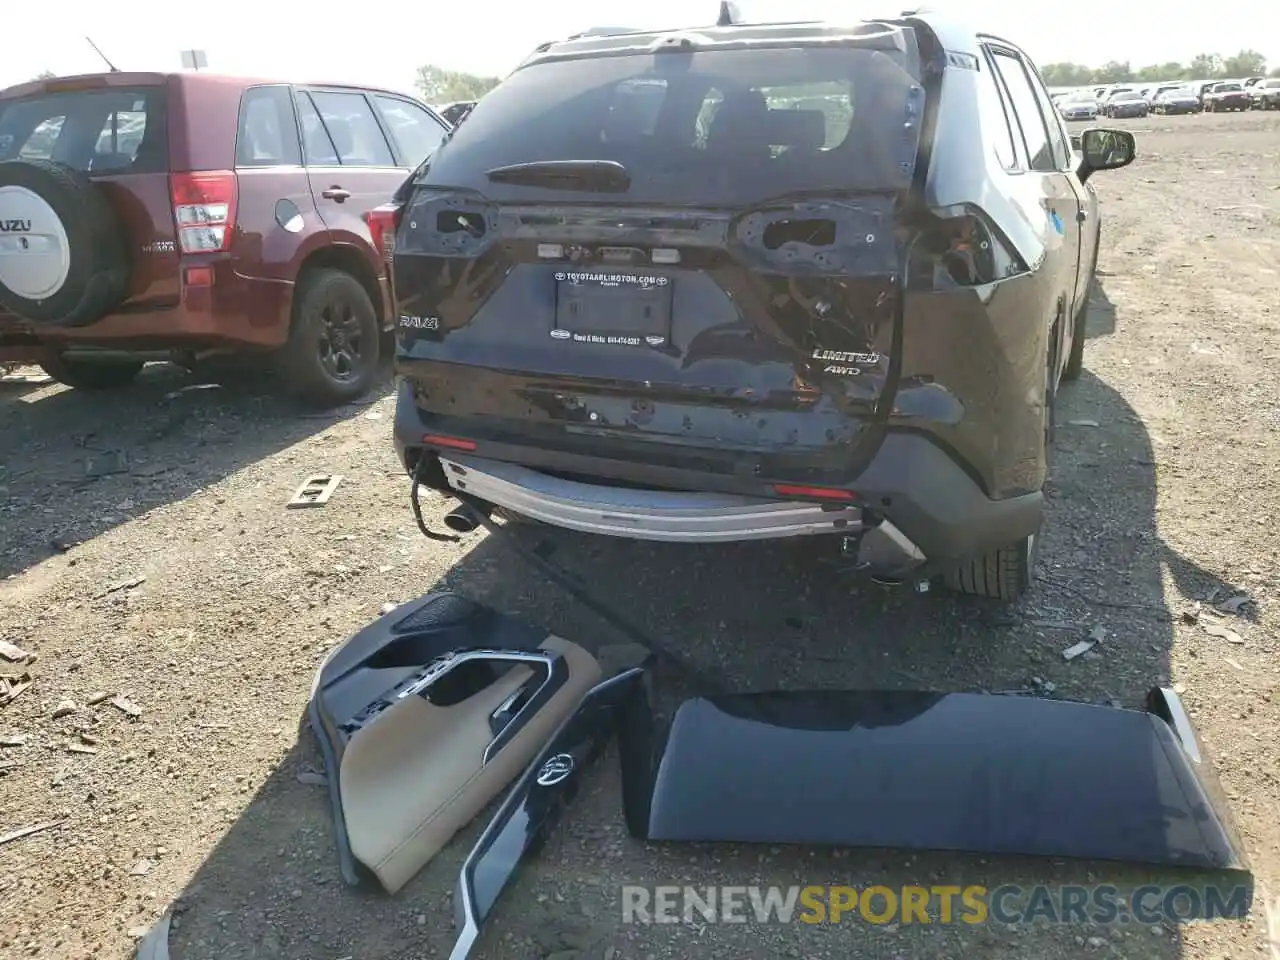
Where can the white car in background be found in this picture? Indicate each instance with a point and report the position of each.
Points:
(1078, 106)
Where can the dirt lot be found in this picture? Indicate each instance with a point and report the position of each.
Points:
(181, 582)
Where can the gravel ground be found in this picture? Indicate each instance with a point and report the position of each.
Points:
(176, 578)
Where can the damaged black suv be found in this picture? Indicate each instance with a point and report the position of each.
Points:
(754, 281)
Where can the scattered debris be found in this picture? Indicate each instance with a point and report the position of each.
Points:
(80, 748)
(12, 687)
(31, 378)
(12, 652)
(191, 388)
(1234, 604)
(1192, 615)
(387, 607)
(1096, 636)
(123, 585)
(1078, 649)
(97, 697)
(105, 464)
(1179, 688)
(65, 708)
(1083, 423)
(1226, 633)
(141, 868)
(1231, 663)
(28, 831)
(126, 706)
(373, 415)
(316, 491)
(313, 779)
(13, 740)
(1054, 624)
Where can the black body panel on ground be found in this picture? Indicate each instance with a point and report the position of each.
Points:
(961, 772)
(536, 802)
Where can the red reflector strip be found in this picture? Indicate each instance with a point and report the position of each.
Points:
(199, 276)
(453, 443)
(813, 493)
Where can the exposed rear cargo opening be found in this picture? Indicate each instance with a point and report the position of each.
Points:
(687, 250)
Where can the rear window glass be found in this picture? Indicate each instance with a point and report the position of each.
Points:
(723, 126)
(94, 131)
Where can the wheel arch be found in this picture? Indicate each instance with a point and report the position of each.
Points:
(351, 261)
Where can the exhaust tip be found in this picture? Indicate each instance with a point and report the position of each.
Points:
(460, 520)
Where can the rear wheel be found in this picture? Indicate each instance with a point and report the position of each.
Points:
(91, 374)
(1003, 574)
(332, 354)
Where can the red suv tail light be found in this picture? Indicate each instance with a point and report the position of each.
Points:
(204, 209)
(383, 223)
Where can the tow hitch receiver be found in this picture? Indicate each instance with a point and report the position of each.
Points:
(972, 773)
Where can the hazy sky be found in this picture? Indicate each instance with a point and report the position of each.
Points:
(383, 42)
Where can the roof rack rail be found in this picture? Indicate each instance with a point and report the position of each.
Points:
(603, 32)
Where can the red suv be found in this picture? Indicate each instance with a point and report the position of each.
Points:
(170, 216)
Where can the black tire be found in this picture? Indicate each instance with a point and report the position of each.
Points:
(1004, 574)
(331, 357)
(91, 374)
(1079, 324)
(97, 277)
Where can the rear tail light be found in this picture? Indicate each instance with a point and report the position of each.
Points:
(963, 250)
(204, 209)
(383, 223)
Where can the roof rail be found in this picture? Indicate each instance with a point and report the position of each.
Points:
(603, 32)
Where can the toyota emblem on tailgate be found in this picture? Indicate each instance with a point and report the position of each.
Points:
(556, 770)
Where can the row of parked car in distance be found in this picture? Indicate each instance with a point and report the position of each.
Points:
(1127, 101)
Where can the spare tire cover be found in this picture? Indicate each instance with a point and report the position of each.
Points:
(63, 253)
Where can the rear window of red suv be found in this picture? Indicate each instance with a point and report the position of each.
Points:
(106, 131)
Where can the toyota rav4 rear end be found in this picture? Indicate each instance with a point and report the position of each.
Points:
(687, 286)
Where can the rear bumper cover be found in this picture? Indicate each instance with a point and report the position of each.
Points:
(969, 773)
(912, 481)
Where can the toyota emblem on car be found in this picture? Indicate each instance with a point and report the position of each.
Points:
(556, 770)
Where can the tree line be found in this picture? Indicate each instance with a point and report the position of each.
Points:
(1206, 66)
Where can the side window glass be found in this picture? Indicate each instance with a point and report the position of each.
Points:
(268, 135)
(1026, 110)
(414, 130)
(119, 139)
(995, 115)
(1058, 141)
(316, 145)
(353, 129)
(39, 145)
